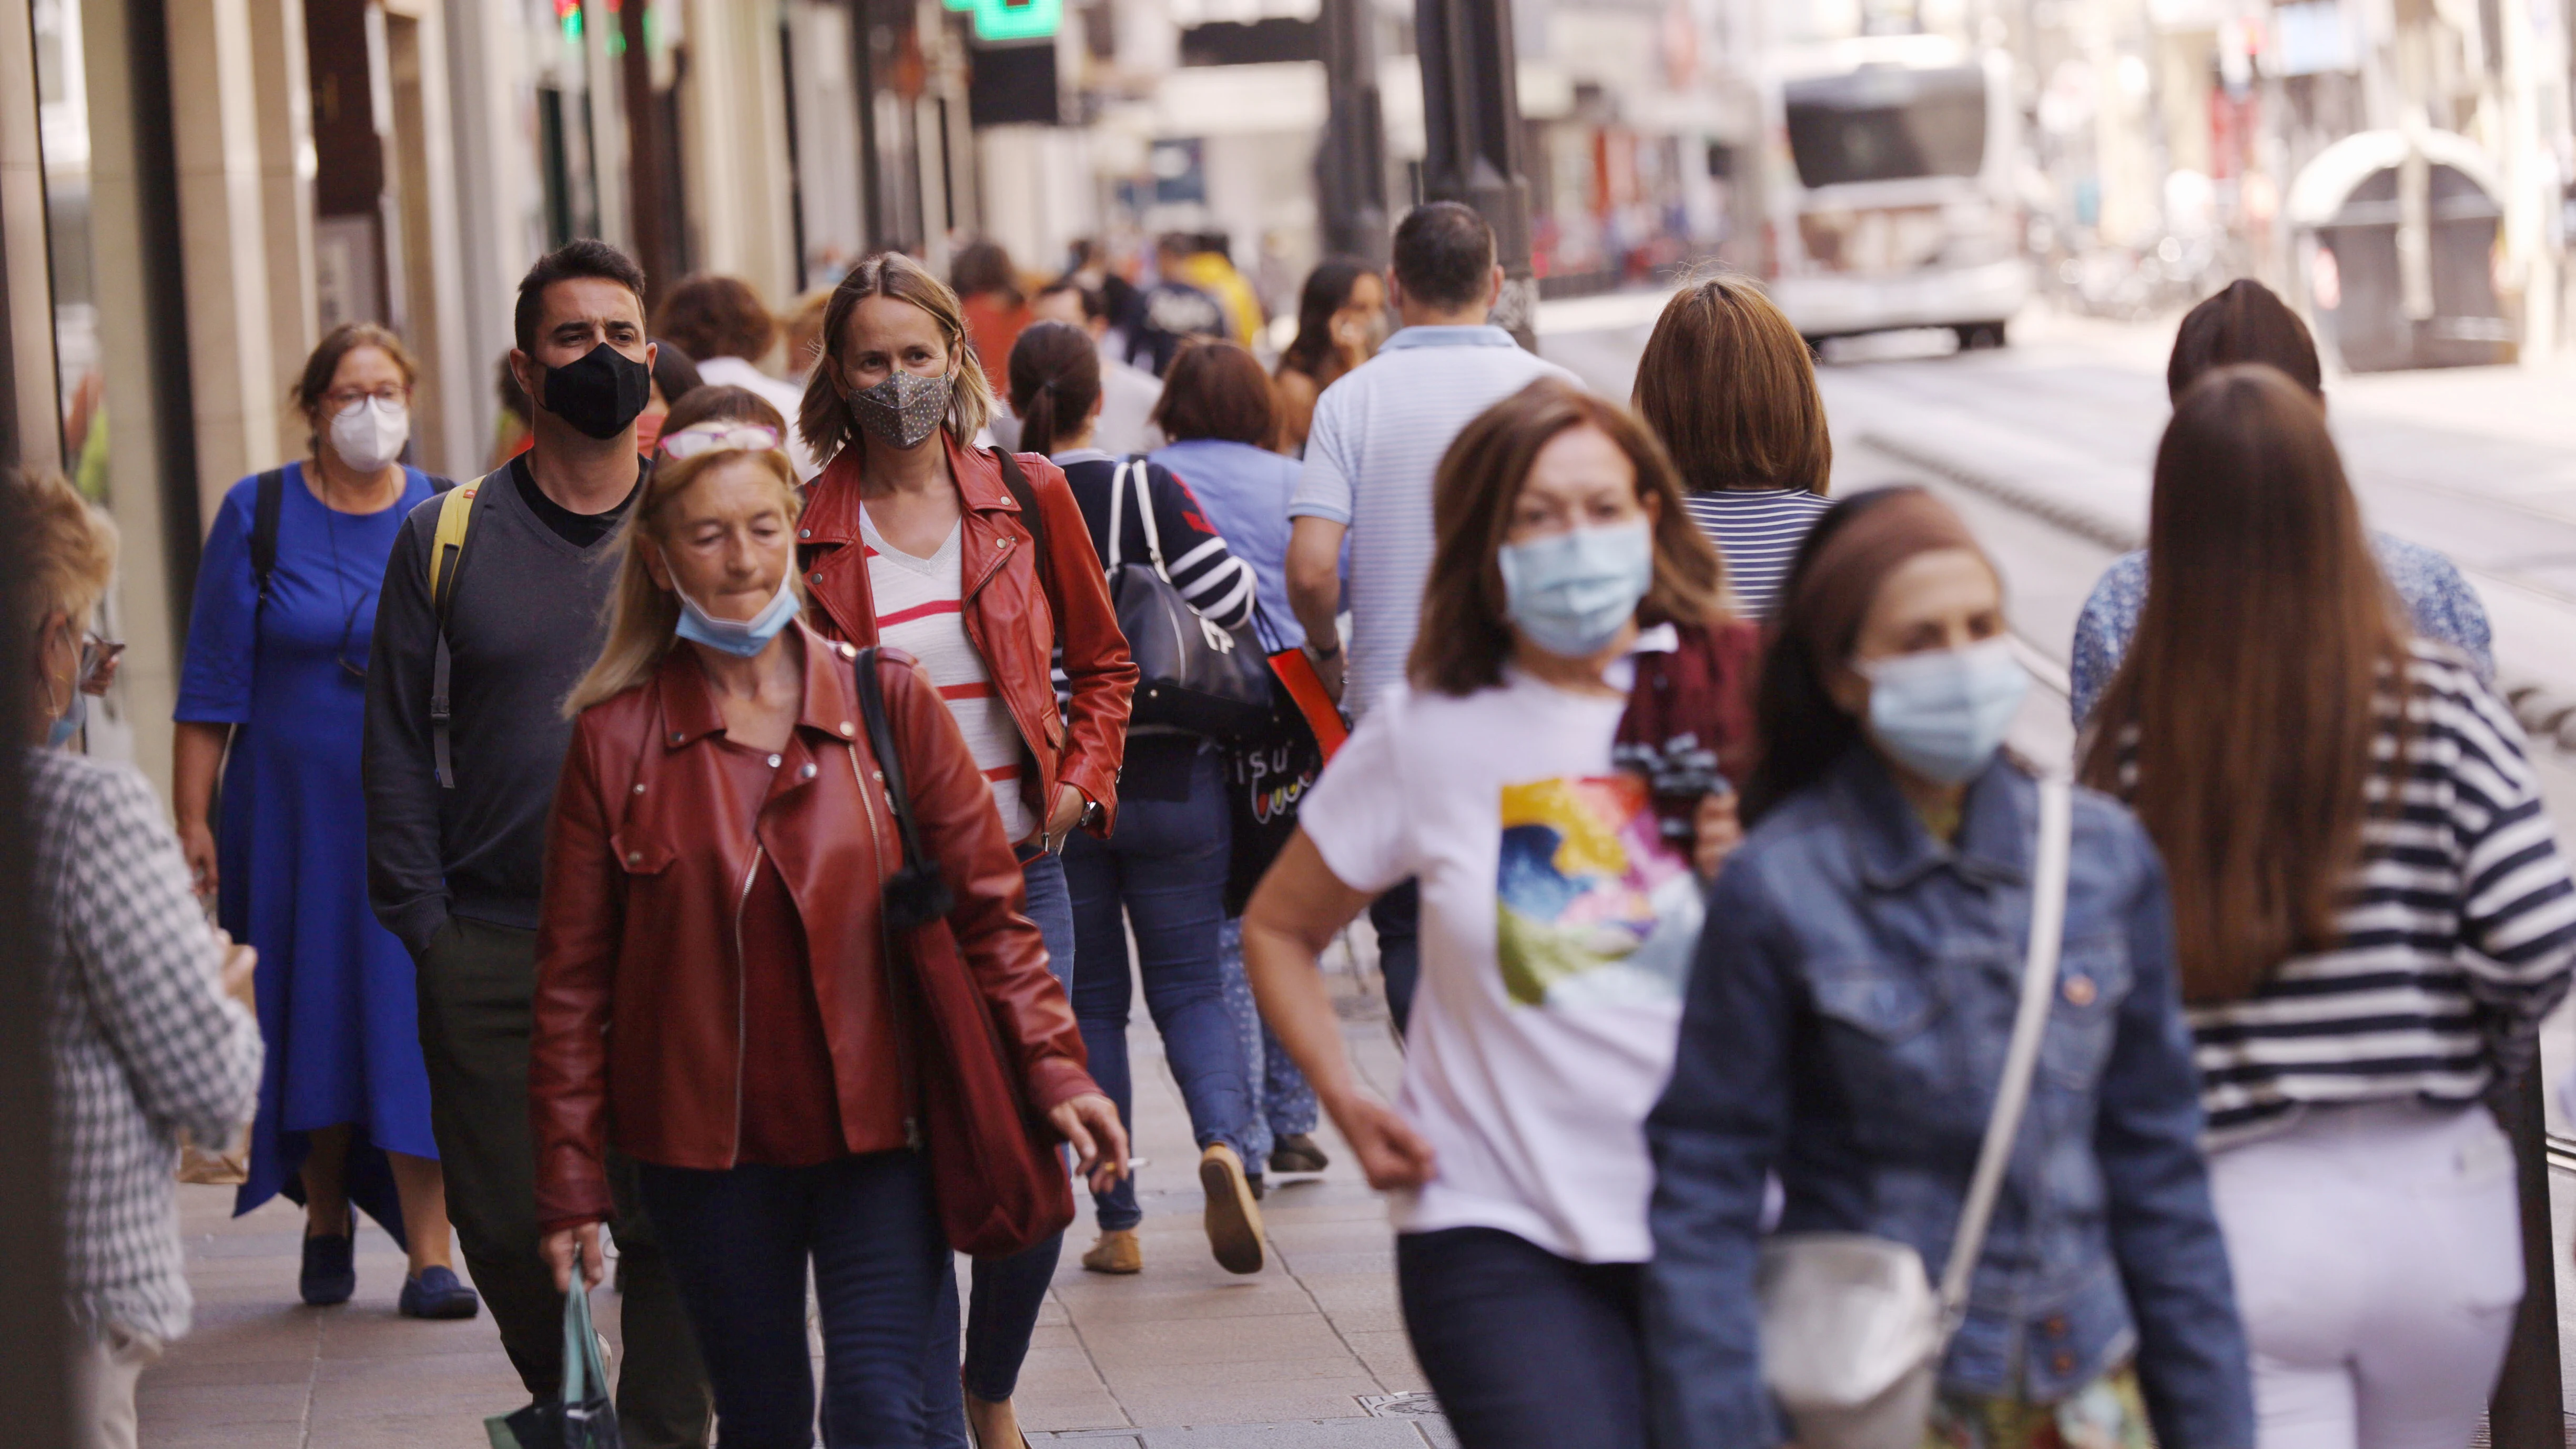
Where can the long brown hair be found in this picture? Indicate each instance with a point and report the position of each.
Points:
(2249, 703)
(643, 616)
(824, 419)
(1464, 639)
(1729, 385)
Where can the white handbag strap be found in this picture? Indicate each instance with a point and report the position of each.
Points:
(1117, 512)
(2021, 1058)
(1145, 515)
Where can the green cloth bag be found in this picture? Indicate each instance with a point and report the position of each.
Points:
(581, 1417)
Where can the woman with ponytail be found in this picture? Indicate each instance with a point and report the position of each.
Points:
(1165, 868)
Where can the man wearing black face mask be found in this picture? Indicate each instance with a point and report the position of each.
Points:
(477, 642)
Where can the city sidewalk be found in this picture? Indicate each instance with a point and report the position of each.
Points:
(1308, 1352)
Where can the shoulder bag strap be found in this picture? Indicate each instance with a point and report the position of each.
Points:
(1145, 510)
(268, 498)
(1117, 516)
(915, 893)
(1031, 517)
(2038, 992)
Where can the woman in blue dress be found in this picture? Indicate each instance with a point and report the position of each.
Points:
(272, 693)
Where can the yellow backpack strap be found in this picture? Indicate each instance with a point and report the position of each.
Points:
(447, 545)
(446, 551)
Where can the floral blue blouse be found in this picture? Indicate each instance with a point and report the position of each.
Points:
(2441, 602)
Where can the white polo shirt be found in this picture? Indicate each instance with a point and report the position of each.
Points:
(1378, 437)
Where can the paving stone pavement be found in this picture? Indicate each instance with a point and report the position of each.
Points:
(1307, 1354)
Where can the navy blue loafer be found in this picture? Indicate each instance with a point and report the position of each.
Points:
(330, 1275)
(437, 1294)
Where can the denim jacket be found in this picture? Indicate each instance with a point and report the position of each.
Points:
(1846, 1027)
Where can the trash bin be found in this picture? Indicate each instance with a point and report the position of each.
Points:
(2395, 237)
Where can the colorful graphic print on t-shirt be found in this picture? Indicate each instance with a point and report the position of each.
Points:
(1593, 908)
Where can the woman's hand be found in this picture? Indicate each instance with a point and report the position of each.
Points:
(1090, 1123)
(1391, 1153)
(559, 1247)
(240, 969)
(1062, 817)
(1716, 830)
(197, 846)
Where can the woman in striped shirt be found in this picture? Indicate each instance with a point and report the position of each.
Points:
(974, 562)
(1730, 387)
(1164, 872)
(2371, 916)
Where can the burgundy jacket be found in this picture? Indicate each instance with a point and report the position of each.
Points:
(1016, 612)
(639, 1038)
(1690, 717)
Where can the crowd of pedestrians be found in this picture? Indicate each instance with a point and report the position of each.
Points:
(736, 826)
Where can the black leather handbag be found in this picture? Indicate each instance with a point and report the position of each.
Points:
(1191, 673)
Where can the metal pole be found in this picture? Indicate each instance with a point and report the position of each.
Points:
(1351, 166)
(2527, 1411)
(1471, 115)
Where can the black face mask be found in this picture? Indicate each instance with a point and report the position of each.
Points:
(601, 393)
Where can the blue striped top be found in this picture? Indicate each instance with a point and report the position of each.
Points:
(1757, 531)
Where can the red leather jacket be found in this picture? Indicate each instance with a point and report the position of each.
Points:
(639, 1034)
(1015, 613)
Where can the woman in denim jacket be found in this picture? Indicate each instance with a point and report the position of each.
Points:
(1846, 1029)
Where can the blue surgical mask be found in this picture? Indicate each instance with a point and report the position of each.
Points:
(1571, 592)
(1942, 714)
(741, 638)
(60, 732)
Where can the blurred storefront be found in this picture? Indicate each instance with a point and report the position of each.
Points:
(191, 193)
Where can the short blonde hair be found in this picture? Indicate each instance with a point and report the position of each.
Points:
(824, 419)
(70, 545)
(643, 616)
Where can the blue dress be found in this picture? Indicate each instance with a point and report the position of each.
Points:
(336, 999)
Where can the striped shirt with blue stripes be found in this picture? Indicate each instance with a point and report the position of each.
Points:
(1757, 531)
(2458, 932)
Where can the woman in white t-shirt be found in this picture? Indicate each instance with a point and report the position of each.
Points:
(1558, 913)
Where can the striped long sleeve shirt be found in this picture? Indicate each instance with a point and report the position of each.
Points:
(2458, 933)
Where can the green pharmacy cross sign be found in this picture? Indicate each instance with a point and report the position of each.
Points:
(1007, 20)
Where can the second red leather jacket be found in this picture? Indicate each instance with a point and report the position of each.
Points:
(1014, 611)
(639, 1036)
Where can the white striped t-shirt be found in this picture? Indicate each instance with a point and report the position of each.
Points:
(1378, 437)
(2458, 932)
(919, 612)
(1757, 532)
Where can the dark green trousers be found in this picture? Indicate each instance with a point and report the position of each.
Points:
(477, 986)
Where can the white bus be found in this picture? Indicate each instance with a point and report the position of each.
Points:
(1890, 188)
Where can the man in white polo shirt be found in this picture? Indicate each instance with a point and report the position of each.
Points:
(1377, 440)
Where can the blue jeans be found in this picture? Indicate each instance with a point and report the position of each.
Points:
(1009, 1292)
(739, 1242)
(1397, 918)
(1283, 1100)
(1526, 1350)
(1164, 873)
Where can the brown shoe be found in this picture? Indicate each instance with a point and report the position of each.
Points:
(1233, 1218)
(1116, 1252)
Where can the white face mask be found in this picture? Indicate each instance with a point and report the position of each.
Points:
(370, 433)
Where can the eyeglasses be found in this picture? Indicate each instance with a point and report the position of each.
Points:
(716, 437)
(340, 399)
